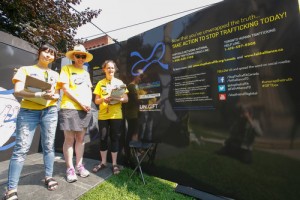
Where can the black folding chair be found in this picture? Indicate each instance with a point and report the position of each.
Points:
(140, 151)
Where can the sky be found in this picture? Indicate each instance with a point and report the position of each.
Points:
(117, 14)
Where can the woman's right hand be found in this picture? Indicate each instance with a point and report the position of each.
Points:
(107, 100)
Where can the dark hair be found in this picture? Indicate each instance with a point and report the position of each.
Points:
(109, 61)
(242, 109)
(45, 47)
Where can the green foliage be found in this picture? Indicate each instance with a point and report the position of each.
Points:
(121, 187)
(36, 21)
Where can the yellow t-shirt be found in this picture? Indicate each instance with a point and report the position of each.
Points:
(103, 89)
(79, 82)
(48, 75)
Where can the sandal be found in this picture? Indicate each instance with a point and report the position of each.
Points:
(11, 196)
(116, 169)
(51, 184)
(98, 167)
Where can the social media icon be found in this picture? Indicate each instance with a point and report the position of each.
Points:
(221, 88)
(222, 97)
(221, 79)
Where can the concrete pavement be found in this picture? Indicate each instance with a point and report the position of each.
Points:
(31, 185)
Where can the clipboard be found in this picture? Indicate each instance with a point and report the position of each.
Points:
(36, 85)
(32, 82)
(118, 92)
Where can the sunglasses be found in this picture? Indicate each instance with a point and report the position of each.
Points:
(80, 56)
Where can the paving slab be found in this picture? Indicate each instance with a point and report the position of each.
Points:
(31, 185)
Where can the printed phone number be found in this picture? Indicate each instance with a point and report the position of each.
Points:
(240, 46)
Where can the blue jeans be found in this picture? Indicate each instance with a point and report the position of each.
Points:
(27, 122)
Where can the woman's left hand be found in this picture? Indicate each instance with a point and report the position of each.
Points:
(86, 108)
(47, 96)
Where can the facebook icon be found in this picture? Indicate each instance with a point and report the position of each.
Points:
(221, 79)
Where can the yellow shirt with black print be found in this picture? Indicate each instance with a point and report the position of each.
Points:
(48, 75)
(103, 89)
(79, 83)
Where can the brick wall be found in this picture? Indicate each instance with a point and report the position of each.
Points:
(97, 42)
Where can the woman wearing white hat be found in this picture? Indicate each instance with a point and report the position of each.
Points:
(75, 113)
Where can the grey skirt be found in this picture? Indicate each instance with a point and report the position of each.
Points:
(73, 120)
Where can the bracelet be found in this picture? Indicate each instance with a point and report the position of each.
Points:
(38, 94)
(56, 96)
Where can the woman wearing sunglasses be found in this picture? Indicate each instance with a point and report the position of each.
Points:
(75, 109)
(32, 115)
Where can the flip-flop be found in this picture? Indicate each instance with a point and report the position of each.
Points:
(98, 167)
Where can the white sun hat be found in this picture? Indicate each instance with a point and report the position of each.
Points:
(79, 48)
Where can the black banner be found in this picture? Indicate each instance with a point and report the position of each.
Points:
(217, 92)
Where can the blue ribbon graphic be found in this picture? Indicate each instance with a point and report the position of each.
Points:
(7, 92)
(148, 60)
(5, 147)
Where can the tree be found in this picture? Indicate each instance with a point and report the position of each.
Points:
(37, 21)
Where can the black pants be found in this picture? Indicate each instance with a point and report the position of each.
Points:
(111, 128)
